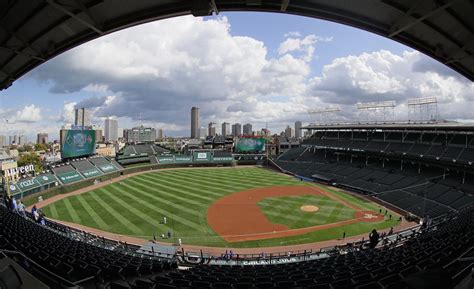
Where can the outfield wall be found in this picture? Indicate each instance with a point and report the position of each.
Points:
(64, 189)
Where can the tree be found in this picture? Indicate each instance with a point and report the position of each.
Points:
(30, 158)
(41, 147)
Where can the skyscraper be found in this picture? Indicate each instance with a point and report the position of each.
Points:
(99, 134)
(82, 117)
(289, 132)
(202, 133)
(111, 130)
(248, 129)
(236, 129)
(22, 140)
(159, 133)
(42, 138)
(225, 128)
(211, 129)
(194, 122)
(298, 126)
(3, 141)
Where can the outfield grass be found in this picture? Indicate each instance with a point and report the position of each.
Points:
(136, 206)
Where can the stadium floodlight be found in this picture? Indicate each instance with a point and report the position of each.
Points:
(421, 101)
(326, 115)
(423, 109)
(376, 105)
(327, 109)
(376, 111)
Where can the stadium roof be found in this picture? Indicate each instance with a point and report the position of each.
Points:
(34, 31)
(436, 126)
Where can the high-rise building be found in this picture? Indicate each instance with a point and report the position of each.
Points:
(99, 134)
(140, 134)
(298, 126)
(194, 122)
(289, 131)
(111, 130)
(211, 129)
(22, 140)
(236, 129)
(202, 133)
(225, 128)
(3, 141)
(159, 134)
(82, 117)
(42, 138)
(248, 129)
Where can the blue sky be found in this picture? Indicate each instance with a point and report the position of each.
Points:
(237, 67)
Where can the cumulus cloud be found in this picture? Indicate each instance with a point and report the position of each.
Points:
(156, 72)
(67, 113)
(29, 113)
(383, 75)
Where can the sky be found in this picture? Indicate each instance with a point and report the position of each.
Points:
(260, 68)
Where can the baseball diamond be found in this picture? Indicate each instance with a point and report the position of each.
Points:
(244, 207)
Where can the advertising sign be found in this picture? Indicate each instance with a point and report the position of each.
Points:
(250, 145)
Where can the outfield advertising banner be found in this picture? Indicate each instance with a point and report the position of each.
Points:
(223, 159)
(69, 177)
(76, 143)
(250, 145)
(165, 159)
(107, 168)
(202, 156)
(182, 159)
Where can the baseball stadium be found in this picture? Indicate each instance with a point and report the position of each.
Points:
(366, 205)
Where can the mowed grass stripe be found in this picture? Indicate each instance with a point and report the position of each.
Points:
(196, 182)
(187, 190)
(166, 197)
(245, 181)
(53, 211)
(164, 212)
(75, 217)
(129, 207)
(117, 215)
(63, 212)
(232, 184)
(93, 214)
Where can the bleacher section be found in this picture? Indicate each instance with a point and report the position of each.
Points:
(429, 146)
(87, 169)
(67, 174)
(139, 153)
(103, 164)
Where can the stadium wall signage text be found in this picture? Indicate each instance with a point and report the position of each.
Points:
(20, 170)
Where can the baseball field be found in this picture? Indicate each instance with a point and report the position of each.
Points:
(241, 207)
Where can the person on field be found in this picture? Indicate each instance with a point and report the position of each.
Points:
(343, 235)
(164, 220)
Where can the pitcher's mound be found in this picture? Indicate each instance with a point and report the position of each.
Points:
(309, 208)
